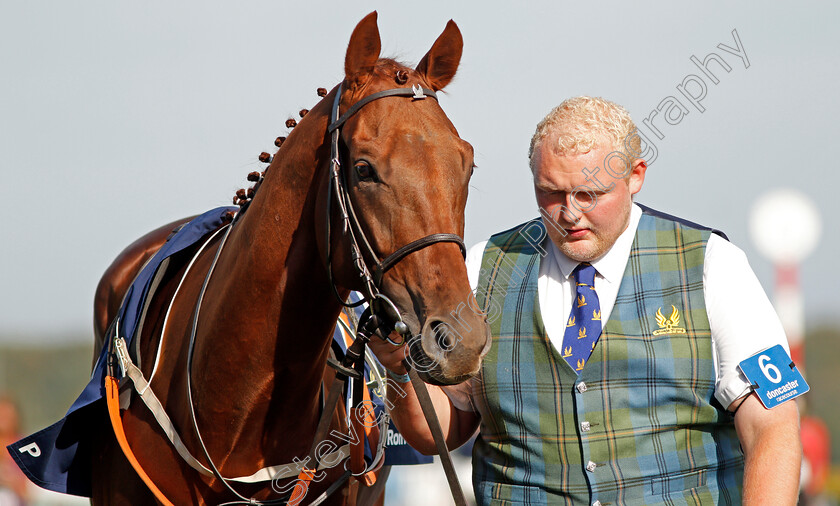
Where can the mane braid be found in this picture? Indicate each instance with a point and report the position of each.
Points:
(243, 197)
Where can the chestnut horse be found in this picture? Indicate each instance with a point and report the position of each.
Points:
(267, 315)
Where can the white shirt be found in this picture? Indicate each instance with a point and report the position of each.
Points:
(742, 320)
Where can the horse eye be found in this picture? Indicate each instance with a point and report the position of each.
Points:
(363, 170)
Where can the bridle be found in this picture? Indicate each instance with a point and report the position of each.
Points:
(379, 318)
(382, 315)
(379, 305)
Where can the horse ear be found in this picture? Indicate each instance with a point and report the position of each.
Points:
(441, 62)
(363, 49)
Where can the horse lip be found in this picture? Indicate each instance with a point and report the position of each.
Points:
(432, 379)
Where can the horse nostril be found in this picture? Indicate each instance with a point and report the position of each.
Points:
(443, 334)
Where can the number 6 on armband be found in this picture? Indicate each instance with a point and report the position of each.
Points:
(773, 376)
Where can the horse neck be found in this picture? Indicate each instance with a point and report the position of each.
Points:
(268, 327)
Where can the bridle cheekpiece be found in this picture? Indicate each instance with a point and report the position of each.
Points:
(372, 277)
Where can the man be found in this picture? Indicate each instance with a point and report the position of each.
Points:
(617, 332)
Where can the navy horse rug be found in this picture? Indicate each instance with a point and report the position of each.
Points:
(58, 457)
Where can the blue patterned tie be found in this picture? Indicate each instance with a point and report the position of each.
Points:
(583, 328)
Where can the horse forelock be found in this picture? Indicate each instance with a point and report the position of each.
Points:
(387, 67)
(388, 72)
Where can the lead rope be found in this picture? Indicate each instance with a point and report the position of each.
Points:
(437, 433)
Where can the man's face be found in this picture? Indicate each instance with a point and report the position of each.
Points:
(606, 200)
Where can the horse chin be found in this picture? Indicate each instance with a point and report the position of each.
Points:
(441, 376)
(434, 373)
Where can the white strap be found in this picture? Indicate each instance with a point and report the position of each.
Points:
(172, 302)
(150, 399)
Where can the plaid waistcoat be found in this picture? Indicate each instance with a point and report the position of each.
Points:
(640, 425)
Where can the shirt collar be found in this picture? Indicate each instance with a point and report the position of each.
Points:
(611, 264)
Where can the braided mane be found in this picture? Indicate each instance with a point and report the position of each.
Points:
(384, 67)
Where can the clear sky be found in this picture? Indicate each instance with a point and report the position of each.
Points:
(117, 117)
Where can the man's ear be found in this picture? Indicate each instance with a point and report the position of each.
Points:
(637, 175)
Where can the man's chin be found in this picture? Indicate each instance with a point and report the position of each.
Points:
(580, 250)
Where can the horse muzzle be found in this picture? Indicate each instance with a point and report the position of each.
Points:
(446, 354)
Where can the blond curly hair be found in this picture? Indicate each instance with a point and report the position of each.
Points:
(581, 122)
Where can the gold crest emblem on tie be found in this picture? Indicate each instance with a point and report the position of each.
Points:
(596, 315)
(567, 352)
(593, 345)
(580, 363)
(571, 321)
(668, 326)
(582, 333)
(581, 301)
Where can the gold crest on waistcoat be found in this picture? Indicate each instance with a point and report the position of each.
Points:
(668, 326)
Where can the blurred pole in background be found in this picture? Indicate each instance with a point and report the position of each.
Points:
(785, 227)
(787, 299)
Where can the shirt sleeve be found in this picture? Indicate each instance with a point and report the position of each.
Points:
(741, 317)
(473, 260)
(461, 394)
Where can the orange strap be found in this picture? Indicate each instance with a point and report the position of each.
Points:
(302, 486)
(112, 396)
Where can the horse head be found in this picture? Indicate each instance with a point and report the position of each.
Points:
(406, 172)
